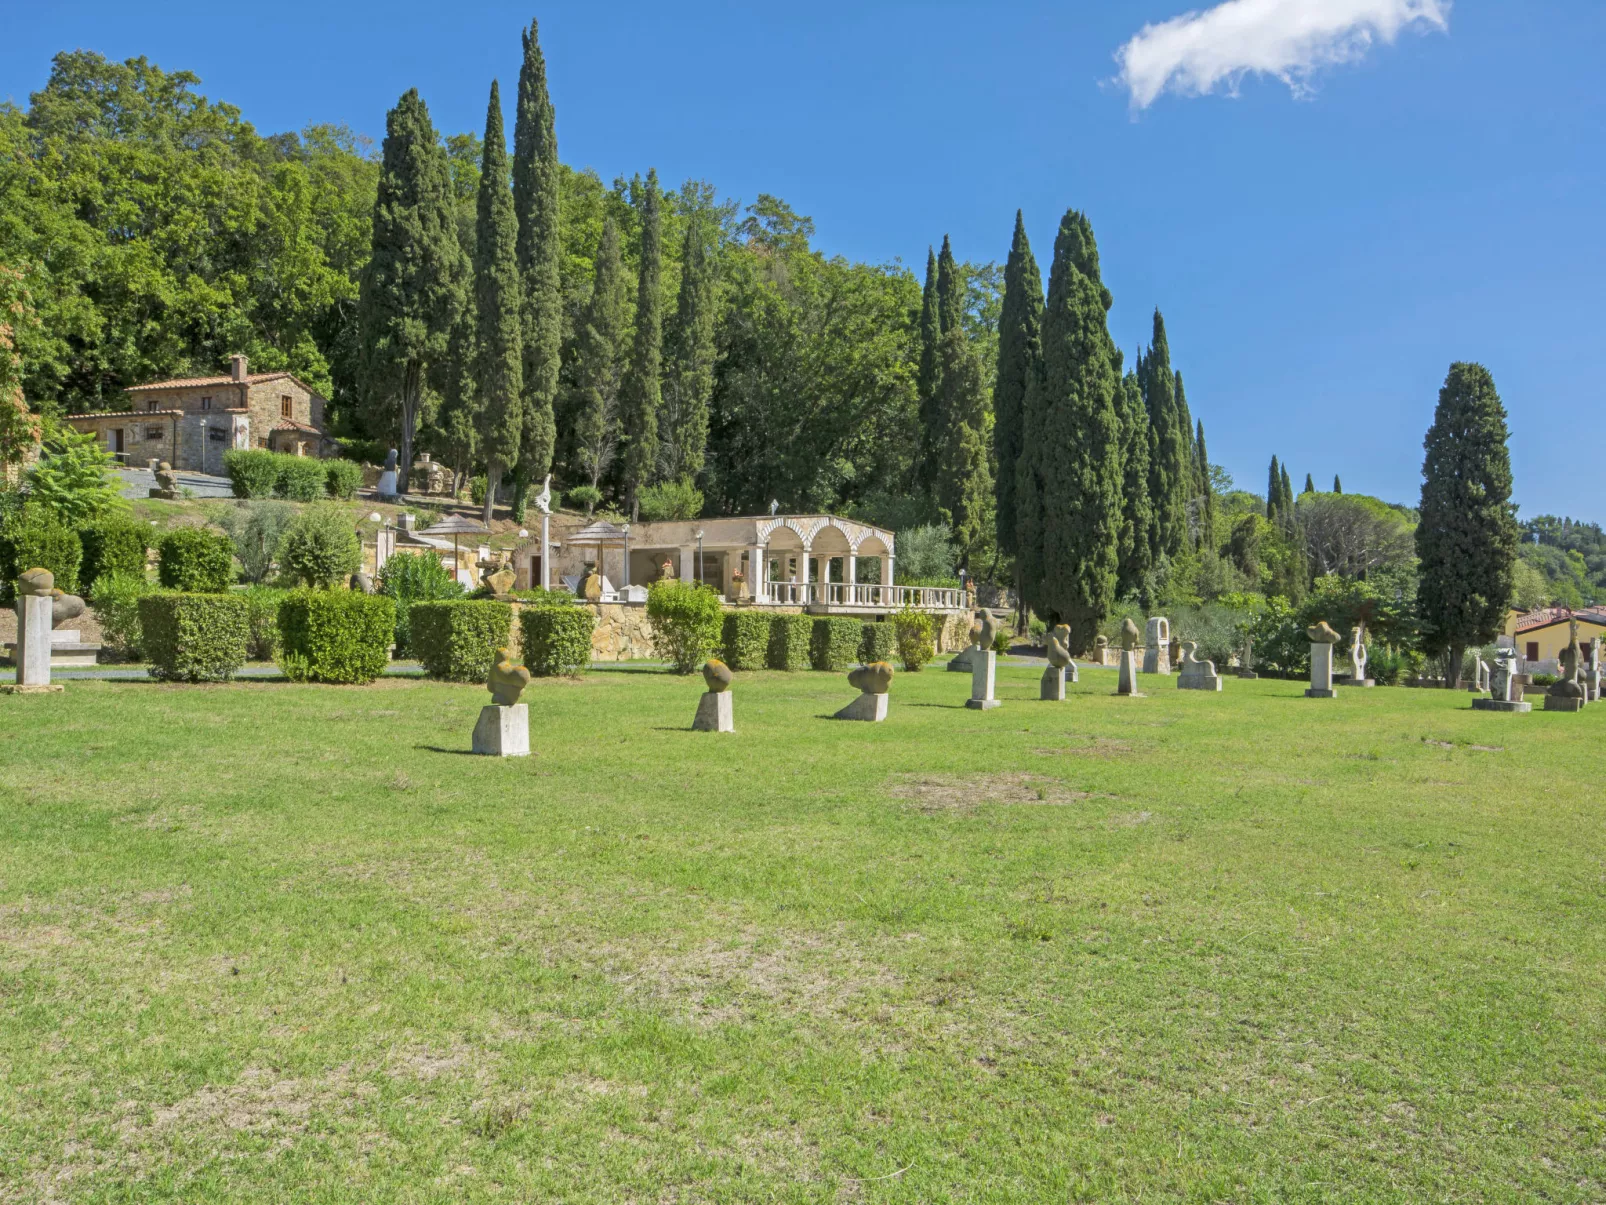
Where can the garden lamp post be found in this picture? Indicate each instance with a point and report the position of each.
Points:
(624, 570)
(699, 556)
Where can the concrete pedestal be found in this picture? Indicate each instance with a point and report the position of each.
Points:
(1053, 685)
(33, 640)
(963, 662)
(866, 707)
(983, 674)
(1127, 681)
(1321, 672)
(1198, 679)
(386, 486)
(503, 731)
(715, 712)
(1358, 682)
(1560, 703)
(1500, 705)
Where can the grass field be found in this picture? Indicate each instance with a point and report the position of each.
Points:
(264, 942)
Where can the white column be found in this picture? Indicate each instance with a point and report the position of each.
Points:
(850, 576)
(888, 578)
(688, 567)
(546, 552)
(757, 571)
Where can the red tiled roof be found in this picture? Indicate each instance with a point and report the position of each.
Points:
(251, 378)
(131, 415)
(1549, 616)
(292, 425)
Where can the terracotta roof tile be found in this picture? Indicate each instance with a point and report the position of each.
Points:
(131, 415)
(1549, 616)
(251, 378)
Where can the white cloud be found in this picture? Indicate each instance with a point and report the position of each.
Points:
(1290, 39)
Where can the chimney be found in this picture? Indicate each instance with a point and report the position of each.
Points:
(237, 367)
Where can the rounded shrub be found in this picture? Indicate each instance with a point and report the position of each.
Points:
(745, 639)
(116, 605)
(916, 638)
(458, 639)
(880, 643)
(342, 478)
(194, 637)
(253, 472)
(685, 621)
(834, 642)
(789, 642)
(195, 561)
(556, 640)
(320, 548)
(112, 546)
(409, 578)
(300, 478)
(340, 636)
(34, 538)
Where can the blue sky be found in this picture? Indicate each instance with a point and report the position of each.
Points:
(1323, 245)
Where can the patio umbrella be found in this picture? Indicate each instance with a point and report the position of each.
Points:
(455, 526)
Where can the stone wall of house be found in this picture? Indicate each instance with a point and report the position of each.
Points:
(266, 406)
(138, 447)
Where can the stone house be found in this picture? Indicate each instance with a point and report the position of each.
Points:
(191, 421)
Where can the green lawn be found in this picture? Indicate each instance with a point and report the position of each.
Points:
(264, 942)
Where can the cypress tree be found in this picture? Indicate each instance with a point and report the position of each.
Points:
(1338, 486)
(1169, 470)
(640, 393)
(950, 290)
(599, 360)
(540, 251)
(963, 480)
(1207, 493)
(1287, 500)
(1133, 560)
(499, 357)
(1274, 492)
(1310, 486)
(1466, 538)
(1070, 471)
(929, 374)
(1020, 346)
(1191, 487)
(415, 284)
(689, 361)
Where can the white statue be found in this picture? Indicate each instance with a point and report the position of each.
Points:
(543, 500)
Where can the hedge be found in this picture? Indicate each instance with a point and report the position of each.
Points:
(196, 561)
(194, 637)
(263, 602)
(253, 472)
(36, 539)
(789, 641)
(335, 635)
(342, 478)
(880, 643)
(415, 577)
(458, 639)
(835, 641)
(300, 478)
(685, 621)
(745, 639)
(112, 546)
(556, 640)
(116, 605)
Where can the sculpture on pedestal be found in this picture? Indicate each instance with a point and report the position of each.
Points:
(1322, 639)
(873, 681)
(1127, 679)
(503, 729)
(714, 709)
(1196, 674)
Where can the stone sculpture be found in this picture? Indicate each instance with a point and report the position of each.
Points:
(502, 581)
(590, 584)
(1480, 676)
(666, 571)
(1196, 674)
(1062, 633)
(1101, 650)
(872, 681)
(503, 729)
(361, 583)
(1569, 693)
(36, 598)
(714, 709)
(1505, 688)
(387, 485)
(1053, 685)
(983, 627)
(1156, 646)
(1358, 658)
(1127, 680)
(1246, 664)
(983, 663)
(166, 483)
(1322, 640)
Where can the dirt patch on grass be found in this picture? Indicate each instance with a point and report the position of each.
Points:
(931, 793)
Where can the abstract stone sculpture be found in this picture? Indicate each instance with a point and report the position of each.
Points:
(1059, 657)
(1127, 680)
(1569, 692)
(1101, 650)
(166, 483)
(36, 598)
(502, 581)
(1504, 687)
(983, 663)
(64, 607)
(361, 583)
(503, 729)
(872, 681)
(591, 584)
(507, 680)
(715, 711)
(387, 484)
(1358, 658)
(1156, 646)
(1322, 640)
(983, 627)
(1196, 674)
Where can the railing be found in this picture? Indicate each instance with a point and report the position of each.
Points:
(869, 596)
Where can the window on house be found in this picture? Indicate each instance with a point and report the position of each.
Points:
(152, 404)
(1533, 650)
(153, 433)
(286, 407)
(217, 434)
(206, 403)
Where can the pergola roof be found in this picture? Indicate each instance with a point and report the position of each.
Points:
(455, 525)
(600, 532)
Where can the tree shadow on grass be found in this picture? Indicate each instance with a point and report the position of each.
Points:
(441, 749)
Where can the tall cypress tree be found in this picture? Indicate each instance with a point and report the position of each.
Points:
(499, 356)
(959, 412)
(1207, 493)
(1020, 346)
(640, 394)
(1466, 538)
(416, 282)
(1338, 486)
(1070, 474)
(1287, 496)
(929, 374)
(1310, 486)
(689, 361)
(599, 360)
(1169, 471)
(1274, 491)
(540, 252)
(1191, 485)
(1133, 551)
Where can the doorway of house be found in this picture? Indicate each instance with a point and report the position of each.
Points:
(117, 442)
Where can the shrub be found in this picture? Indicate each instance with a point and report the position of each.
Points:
(457, 640)
(116, 606)
(685, 621)
(1001, 641)
(263, 605)
(556, 640)
(538, 597)
(342, 478)
(335, 635)
(834, 642)
(253, 472)
(789, 642)
(195, 560)
(916, 638)
(320, 548)
(880, 642)
(256, 529)
(409, 578)
(300, 478)
(364, 451)
(112, 546)
(74, 478)
(194, 637)
(588, 496)
(1385, 666)
(670, 500)
(745, 639)
(1545, 679)
(36, 539)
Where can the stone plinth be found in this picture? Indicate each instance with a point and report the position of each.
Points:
(983, 674)
(7, 688)
(503, 731)
(1204, 677)
(1556, 703)
(871, 707)
(33, 647)
(1127, 682)
(964, 661)
(715, 713)
(1354, 681)
(1501, 705)
(1053, 688)
(1321, 672)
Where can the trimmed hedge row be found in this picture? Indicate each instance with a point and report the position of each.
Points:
(458, 639)
(335, 635)
(556, 640)
(258, 473)
(112, 546)
(880, 643)
(790, 636)
(745, 639)
(194, 637)
(34, 538)
(835, 642)
(758, 639)
(196, 561)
